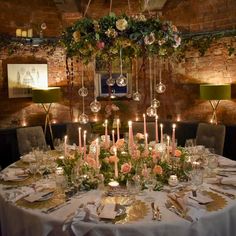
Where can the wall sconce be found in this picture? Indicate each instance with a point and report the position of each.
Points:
(215, 93)
(46, 96)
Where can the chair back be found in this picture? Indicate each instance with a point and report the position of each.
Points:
(211, 136)
(30, 137)
(138, 128)
(72, 131)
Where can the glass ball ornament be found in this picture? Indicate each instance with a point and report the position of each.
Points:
(83, 92)
(136, 96)
(160, 88)
(155, 103)
(95, 106)
(151, 111)
(83, 119)
(110, 81)
(121, 81)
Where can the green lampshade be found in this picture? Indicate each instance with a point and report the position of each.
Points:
(215, 91)
(46, 95)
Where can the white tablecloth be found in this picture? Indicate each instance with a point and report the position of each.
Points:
(27, 222)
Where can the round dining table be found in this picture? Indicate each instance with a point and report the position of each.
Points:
(23, 211)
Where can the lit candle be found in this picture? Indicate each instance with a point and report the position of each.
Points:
(106, 134)
(156, 127)
(80, 145)
(116, 163)
(173, 139)
(130, 143)
(118, 128)
(146, 141)
(161, 125)
(85, 134)
(97, 153)
(144, 125)
(113, 136)
(65, 142)
(168, 144)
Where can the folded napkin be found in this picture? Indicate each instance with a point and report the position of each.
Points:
(14, 196)
(28, 158)
(108, 211)
(222, 180)
(224, 162)
(200, 198)
(38, 196)
(14, 174)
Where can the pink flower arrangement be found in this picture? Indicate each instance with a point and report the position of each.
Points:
(90, 161)
(120, 143)
(126, 168)
(100, 45)
(178, 153)
(139, 136)
(113, 159)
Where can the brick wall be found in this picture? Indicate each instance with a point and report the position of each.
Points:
(181, 99)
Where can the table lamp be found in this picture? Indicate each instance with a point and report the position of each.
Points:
(215, 93)
(46, 96)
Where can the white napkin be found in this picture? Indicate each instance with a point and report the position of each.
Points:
(28, 158)
(225, 162)
(15, 195)
(222, 180)
(38, 196)
(14, 174)
(108, 211)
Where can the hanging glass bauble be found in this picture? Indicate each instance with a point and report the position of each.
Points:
(136, 96)
(155, 103)
(121, 81)
(151, 111)
(83, 119)
(110, 81)
(83, 92)
(160, 88)
(95, 106)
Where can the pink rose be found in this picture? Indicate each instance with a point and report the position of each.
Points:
(135, 154)
(145, 153)
(126, 168)
(100, 45)
(155, 155)
(91, 161)
(120, 143)
(140, 136)
(157, 170)
(113, 159)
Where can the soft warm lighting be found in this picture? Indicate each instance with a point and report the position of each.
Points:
(178, 118)
(75, 119)
(136, 118)
(174, 126)
(24, 123)
(54, 121)
(61, 157)
(130, 123)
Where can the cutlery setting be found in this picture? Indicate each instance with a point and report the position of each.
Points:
(230, 195)
(156, 214)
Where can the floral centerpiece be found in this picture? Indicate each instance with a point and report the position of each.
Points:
(136, 35)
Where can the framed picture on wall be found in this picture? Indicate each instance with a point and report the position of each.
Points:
(102, 89)
(23, 77)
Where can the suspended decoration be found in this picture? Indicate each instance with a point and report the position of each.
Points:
(121, 81)
(151, 110)
(136, 95)
(95, 105)
(160, 87)
(155, 102)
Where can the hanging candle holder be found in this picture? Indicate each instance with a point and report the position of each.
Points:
(121, 81)
(83, 118)
(160, 87)
(83, 92)
(136, 95)
(95, 105)
(155, 102)
(151, 110)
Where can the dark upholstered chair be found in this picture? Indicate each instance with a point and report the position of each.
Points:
(138, 128)
(30, 137)
(211, 136)
(73, 133)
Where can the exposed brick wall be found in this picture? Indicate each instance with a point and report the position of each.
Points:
(181, 99)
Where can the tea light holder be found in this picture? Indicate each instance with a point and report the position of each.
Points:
(173, 180)
(113, 184)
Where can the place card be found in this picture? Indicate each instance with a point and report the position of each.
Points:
(108, 211)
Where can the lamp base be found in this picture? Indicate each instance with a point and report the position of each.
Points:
(214, 105)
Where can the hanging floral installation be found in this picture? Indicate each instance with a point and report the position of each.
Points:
(136, 35)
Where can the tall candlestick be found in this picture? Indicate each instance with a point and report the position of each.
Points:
(85, 134)
(168, 144)
(106, 134)
(161, 125)
(65, 143)
(156, 126)
(173, 139)
(130, 143)
(144, 125)
(113, 136)
(97, 153)
(80, 145)
(118, 128)
(146, 141)
(116, 163)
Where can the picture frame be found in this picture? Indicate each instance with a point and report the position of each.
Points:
(23, 77)
(102, 89)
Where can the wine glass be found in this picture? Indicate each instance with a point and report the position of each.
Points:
(197, 178)
(212, 164)
(150, 183)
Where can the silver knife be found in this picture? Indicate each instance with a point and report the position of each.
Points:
(230, 195)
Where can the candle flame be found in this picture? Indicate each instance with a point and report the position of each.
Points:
(174, 126)
(130, 123)
(161, 125)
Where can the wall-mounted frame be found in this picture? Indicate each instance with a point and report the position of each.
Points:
(102, 89)
(23, 77)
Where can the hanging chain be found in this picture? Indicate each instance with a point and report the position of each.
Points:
(110, 7)
(129, 7)
(136, 73)
(87, 7)
(150, 74)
